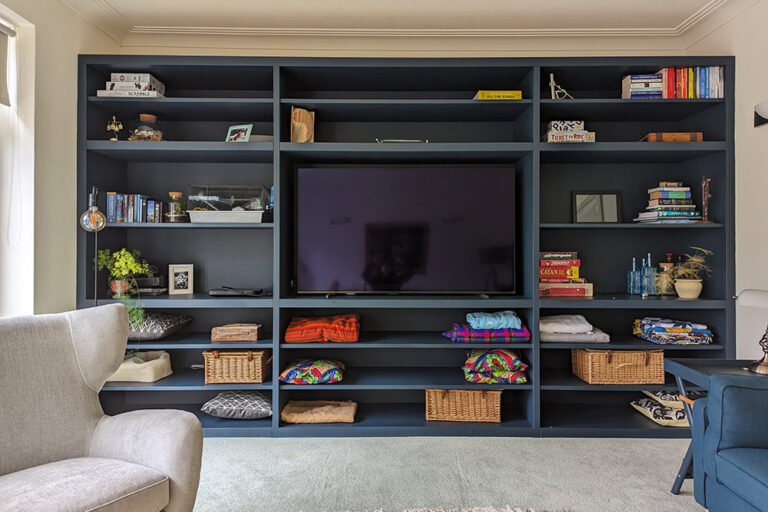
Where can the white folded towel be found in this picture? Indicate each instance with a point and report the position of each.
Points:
(564, 324)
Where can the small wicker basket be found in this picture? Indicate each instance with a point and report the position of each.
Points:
(231, 367)
(472, 405)
(618, 366)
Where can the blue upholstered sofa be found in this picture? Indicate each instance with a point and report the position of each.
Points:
(730, 445)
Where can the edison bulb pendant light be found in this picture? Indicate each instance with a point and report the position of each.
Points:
(93, 219)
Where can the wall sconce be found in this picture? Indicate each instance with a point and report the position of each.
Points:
(761, 113)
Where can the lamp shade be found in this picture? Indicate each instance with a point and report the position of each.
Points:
(761, 113)
(754, 298)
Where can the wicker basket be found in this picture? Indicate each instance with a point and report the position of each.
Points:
(230, 367)
(618, 366)
(463, 405)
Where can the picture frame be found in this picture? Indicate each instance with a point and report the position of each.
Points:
(596, 206)
(181, 279)
(239, 133)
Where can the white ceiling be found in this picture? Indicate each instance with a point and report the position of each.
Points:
(397, 17)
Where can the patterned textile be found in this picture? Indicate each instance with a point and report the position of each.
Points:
(657, 413)
(493, 361)
(239, 405)
(339, 328)
(494, 377)
(313, 371)
(666, 331)
(156, 326)
(463, 333)
(497, 320)
(672, 398)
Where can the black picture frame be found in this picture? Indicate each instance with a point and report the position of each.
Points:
(578, 217)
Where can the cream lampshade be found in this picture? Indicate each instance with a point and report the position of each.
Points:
(757, 299)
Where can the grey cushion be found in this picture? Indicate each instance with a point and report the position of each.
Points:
(156, 326)
(85, 484)
(241, 405)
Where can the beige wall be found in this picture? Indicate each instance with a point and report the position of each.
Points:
(60, 35)
(746, 37)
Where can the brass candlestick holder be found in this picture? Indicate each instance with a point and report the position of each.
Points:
(761, 366)
(114, 126)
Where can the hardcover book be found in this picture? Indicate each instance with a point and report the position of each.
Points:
(558, 255)
(498, 95)
(559, 263)
(559, 272)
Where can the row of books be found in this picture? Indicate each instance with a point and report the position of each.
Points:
(670, 202)
(134, 208)
(132, 85)
(682, 83)
(559, 275)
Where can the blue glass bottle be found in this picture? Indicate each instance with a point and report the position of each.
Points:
(632, 277)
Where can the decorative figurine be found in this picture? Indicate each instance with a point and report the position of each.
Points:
(705, 197)
(558, 93)
(147, 129)
(114, 126)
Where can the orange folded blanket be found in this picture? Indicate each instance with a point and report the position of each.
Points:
(319, 411)
(338, 328)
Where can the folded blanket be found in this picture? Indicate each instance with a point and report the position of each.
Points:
(671, 325)
(596, 336)
(497, 320)
(565, 324)
(463, 333)
(676, 332)
(319, 411)
(311, 371)
(495, 377)
(493, 360)
(338, 328)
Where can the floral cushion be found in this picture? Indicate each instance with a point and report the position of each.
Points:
(494, 360)
(313, 371)
(660, 414)
(672, 398)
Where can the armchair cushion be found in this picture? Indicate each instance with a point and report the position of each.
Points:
(745, 472)
(85, 483)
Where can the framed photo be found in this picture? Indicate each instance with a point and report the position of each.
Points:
(239, 133)
(181, 279)
(596, 206)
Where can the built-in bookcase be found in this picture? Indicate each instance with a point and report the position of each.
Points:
(401, 352)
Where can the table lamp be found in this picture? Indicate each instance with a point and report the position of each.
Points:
(759, 299)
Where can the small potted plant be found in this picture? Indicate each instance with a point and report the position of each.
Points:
(689, 274)
(123, 267)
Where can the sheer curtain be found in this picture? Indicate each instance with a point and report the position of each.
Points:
(16, 185)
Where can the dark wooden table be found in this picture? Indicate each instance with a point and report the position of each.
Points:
(697, 372)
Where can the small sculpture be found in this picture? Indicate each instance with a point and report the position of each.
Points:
(557, 92)
(114, 126)
(705, 197)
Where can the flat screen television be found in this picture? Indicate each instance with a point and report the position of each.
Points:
(405, 229)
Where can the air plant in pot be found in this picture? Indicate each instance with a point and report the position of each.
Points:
(687, 276)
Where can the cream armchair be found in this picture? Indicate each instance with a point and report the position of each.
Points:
(58, 451)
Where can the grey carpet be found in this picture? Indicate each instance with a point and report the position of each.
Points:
(394, 474)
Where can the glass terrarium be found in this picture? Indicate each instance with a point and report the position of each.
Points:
(227, 203)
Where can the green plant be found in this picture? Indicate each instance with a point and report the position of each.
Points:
(123, 265)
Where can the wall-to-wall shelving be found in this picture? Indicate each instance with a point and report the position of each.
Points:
(357, 101)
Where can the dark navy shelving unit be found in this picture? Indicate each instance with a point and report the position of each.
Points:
(401, 351)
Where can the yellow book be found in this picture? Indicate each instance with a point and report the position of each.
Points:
(690, 83)
(498, 95)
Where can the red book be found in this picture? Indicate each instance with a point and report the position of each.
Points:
(559, 263)
(554, 280)
(559, 272)
(564, 292)
(670, 82)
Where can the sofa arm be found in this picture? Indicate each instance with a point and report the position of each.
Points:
(169, 441)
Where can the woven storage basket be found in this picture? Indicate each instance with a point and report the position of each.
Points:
(230, 367)
(463, 405)
(618, 366)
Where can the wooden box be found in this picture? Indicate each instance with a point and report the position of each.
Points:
(236, 332)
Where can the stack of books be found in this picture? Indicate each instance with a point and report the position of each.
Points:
(568, 132)
(669, 203)
(559, 275)
(133, 208)
(133, 85)
(676, 83)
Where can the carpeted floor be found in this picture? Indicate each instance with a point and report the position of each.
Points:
(394, 474)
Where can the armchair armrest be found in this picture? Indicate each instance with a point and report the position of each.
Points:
(698, 428)
(169, 441)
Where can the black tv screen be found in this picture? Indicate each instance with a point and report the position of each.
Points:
(405, 229)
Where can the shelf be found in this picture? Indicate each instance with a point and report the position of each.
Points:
(245, 110)
(183, 151)
(194, 300)
(627, 225)
(453, 151)
(562, 379)
(625, 110)
(194, 340)
(597, 420)
(190, 225)
(364, 301)
(627, 342)
(407, 418)
(185, 380)
(404, 378)
(414, 110)
(396, 340)
(624, 301)
(627, 152)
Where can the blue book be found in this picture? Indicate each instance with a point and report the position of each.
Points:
(111, 204)
(151, 210)
(645, 94)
